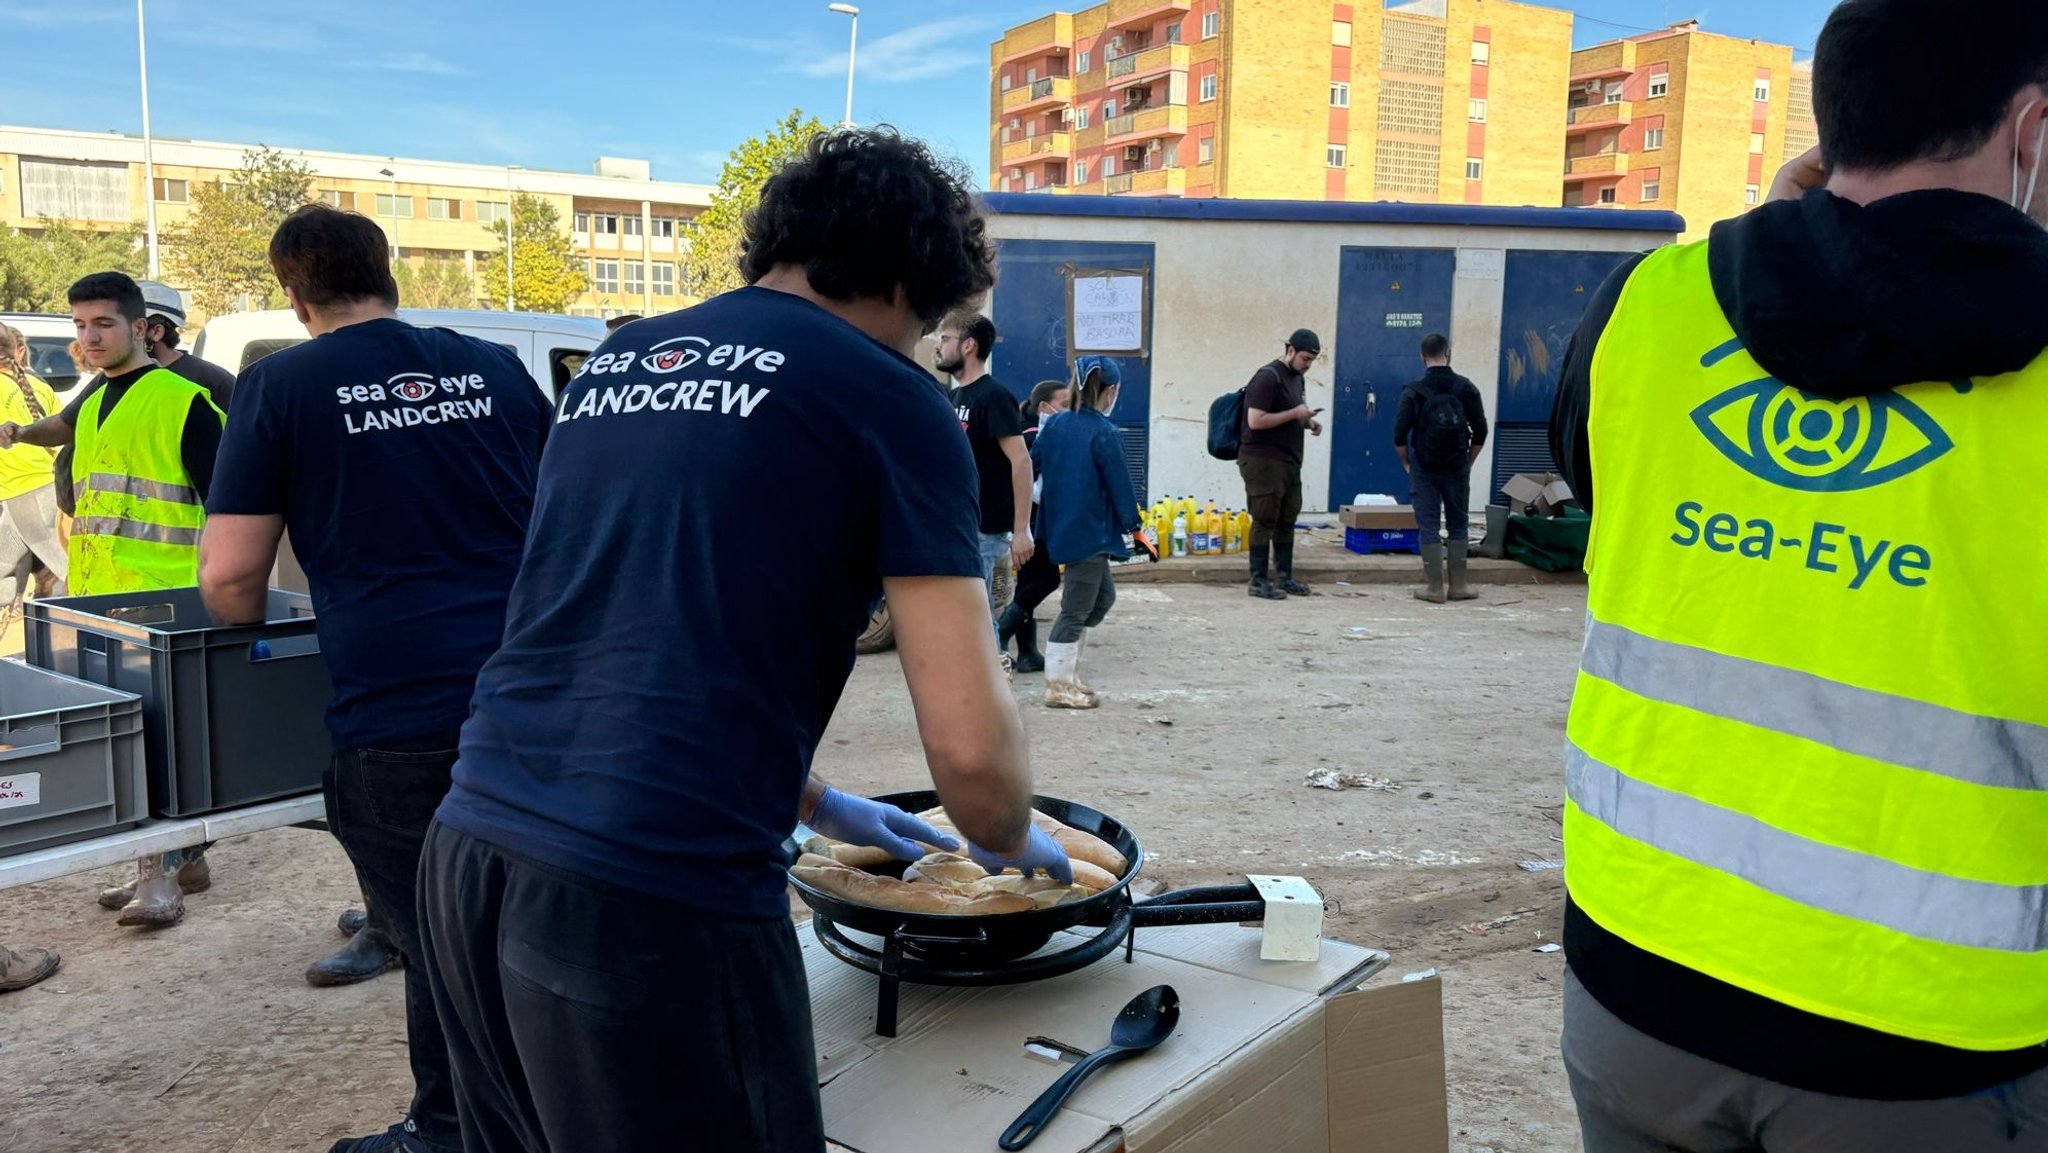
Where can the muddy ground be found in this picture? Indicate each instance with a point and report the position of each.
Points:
(204, 1038)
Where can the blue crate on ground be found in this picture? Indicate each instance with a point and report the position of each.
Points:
(1371, 540)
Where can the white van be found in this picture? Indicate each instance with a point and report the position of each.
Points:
(552, 347)
(49, 348)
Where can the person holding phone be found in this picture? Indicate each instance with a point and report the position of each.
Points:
(1277, 416)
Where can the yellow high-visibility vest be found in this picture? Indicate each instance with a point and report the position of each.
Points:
(1808, 749)
(138, 516)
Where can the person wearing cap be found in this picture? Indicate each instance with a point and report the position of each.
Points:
(1276, 414)
(1088, 510)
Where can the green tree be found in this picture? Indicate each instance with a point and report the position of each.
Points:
(436, 283)
(546, 276)
(37, 270)
(712, 266)
(220, 253)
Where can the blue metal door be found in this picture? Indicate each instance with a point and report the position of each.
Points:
(1543, 297)
(1388, 299)
(1030, 311)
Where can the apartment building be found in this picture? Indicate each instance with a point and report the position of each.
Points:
(1445, 101)
(1684, 120)
(629, 229)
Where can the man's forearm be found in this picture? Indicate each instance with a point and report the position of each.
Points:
(1020, 495)
(236, 600)
(52, 431)
(1401, 450)
(814, 788)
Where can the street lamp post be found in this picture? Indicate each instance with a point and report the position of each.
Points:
(388, 174)
(148, 146)
(852, 40)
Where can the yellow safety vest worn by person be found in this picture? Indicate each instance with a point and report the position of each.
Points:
(25, 467)
(138, 515)
(1808, 749)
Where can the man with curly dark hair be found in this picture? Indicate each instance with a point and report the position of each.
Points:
(603, 890)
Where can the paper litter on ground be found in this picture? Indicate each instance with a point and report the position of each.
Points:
(1338, 779)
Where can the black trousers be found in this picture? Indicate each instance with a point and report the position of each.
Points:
(379, 804)
(1440, 499)
(1037, 580)
(584, 1017)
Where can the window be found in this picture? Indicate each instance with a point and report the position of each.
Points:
(1082, 65)
(607, 223)
(665, 227)
(1607, 195)
(1006, 81)
(636, 278)
(441, 208)
(1212, 25)
(1206, 150)
(1474, 168)
(1173, 155)
(1482, 53)
(1334, 156)
(1763, 92)
(68, 191)
(1659, 85)
(1340, 95)
(664, 280)
(492, 211)
(1209, 87)
(1108, 110)
(1173, 32)
(1081, 116)
(1756, 142)
(1080, 172)
(632, 226)
(607, 277)
(335, 198)
(1031, 76)
(1475, 111)
(1613, 95)
(389, 205)
(1340, 33)
(1108, 167)
(170, 191)
(1653, 139)
(1750, 193)
(1652, 189)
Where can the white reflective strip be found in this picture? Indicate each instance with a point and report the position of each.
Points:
(135, 530)
(1934, 907)
(117, 484)
(1896, 730)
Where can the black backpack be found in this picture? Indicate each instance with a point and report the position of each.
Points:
(1442, 438)
(1226, 425)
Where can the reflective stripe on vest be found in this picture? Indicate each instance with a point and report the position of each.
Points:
(138, 514)
(1808, 749)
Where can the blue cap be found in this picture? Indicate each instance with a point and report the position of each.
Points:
(1112, 376)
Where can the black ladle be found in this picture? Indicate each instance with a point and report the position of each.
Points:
(1142, 1025)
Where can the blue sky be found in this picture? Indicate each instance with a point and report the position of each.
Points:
(556, 83)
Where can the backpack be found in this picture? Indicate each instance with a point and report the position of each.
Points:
(1442, 438)
(1226, 425)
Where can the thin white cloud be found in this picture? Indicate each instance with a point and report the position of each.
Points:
(56, 16)
(416, 62)
(919, 52)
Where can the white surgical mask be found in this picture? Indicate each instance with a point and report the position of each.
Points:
(2025, 203)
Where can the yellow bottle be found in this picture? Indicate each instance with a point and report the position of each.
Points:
(1215, 528)
(1244, 531)
(1232, 542)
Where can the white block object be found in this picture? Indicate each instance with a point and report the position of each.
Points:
(1294, 919)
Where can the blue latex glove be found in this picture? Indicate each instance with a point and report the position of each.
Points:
(1040, 852)
(860, 821)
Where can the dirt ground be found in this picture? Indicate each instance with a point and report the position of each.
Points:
(204, 1038)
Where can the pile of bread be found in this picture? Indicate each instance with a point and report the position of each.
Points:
(949, 884)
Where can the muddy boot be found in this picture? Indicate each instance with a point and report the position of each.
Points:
(1283, 559)
(19, 970)
(367, 954)
(1029, 659)
(352, 921)
(157, 901)
(1433, 571)
(1454, 566)
(1261, 587)
(194, 876)
(1062, 678)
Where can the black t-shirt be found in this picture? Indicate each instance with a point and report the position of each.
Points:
(724, 491)
(988, 415)
(403, 461)
(197, 445)
(1275, 388)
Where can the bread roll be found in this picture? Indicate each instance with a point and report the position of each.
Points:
(1088, 847)
(1090, 877)
(949, 869)
(897, 896)
(813, 860)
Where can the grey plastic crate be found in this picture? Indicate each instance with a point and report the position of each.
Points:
(234, 715)
(71, 761)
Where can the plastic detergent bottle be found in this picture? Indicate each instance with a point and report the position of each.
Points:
(1214, 526)
(1244, 530)
(1198, 533)
(1180, 534)
(1233, 537)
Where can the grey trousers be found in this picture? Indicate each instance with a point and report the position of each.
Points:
(1638, 1095)
(1086, 594)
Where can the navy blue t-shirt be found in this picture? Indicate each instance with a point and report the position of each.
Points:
(724, 491)
(403, 461)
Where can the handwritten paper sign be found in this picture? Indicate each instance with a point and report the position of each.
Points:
(1109, 313)
(20, 790)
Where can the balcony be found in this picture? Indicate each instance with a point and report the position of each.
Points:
(1598, 116)
(1147, 63)
(1043, 36)
(1597, 166)
(1604, 62)
(1145, 124)
(1136, 13)
(1147, 182)
(1046, 92)
(1050, 146)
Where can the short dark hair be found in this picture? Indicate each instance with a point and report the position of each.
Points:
(1436, 346)
(329, 257)
(118, 287)
(1041, 393)
(1897, 81)
(977, 328)
(170, 337)
(867, 211)
(618, 322)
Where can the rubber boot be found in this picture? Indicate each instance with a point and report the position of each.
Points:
(1260, 586)
(1080, 651)
(1454, 567)
(194, 876)
(157, 901)
(1283, 559)
(1433, 570)
(1029, 659)
(368, 954)
(1062, 681)
(1006, 625)
(20, 969)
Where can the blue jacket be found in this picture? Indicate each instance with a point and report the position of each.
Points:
(1086, 505)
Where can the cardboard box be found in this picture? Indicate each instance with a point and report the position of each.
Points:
(1393, 518)
(1328, 1056)
(1540, 493)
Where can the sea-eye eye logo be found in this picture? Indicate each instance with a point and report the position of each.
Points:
(1794, 439)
